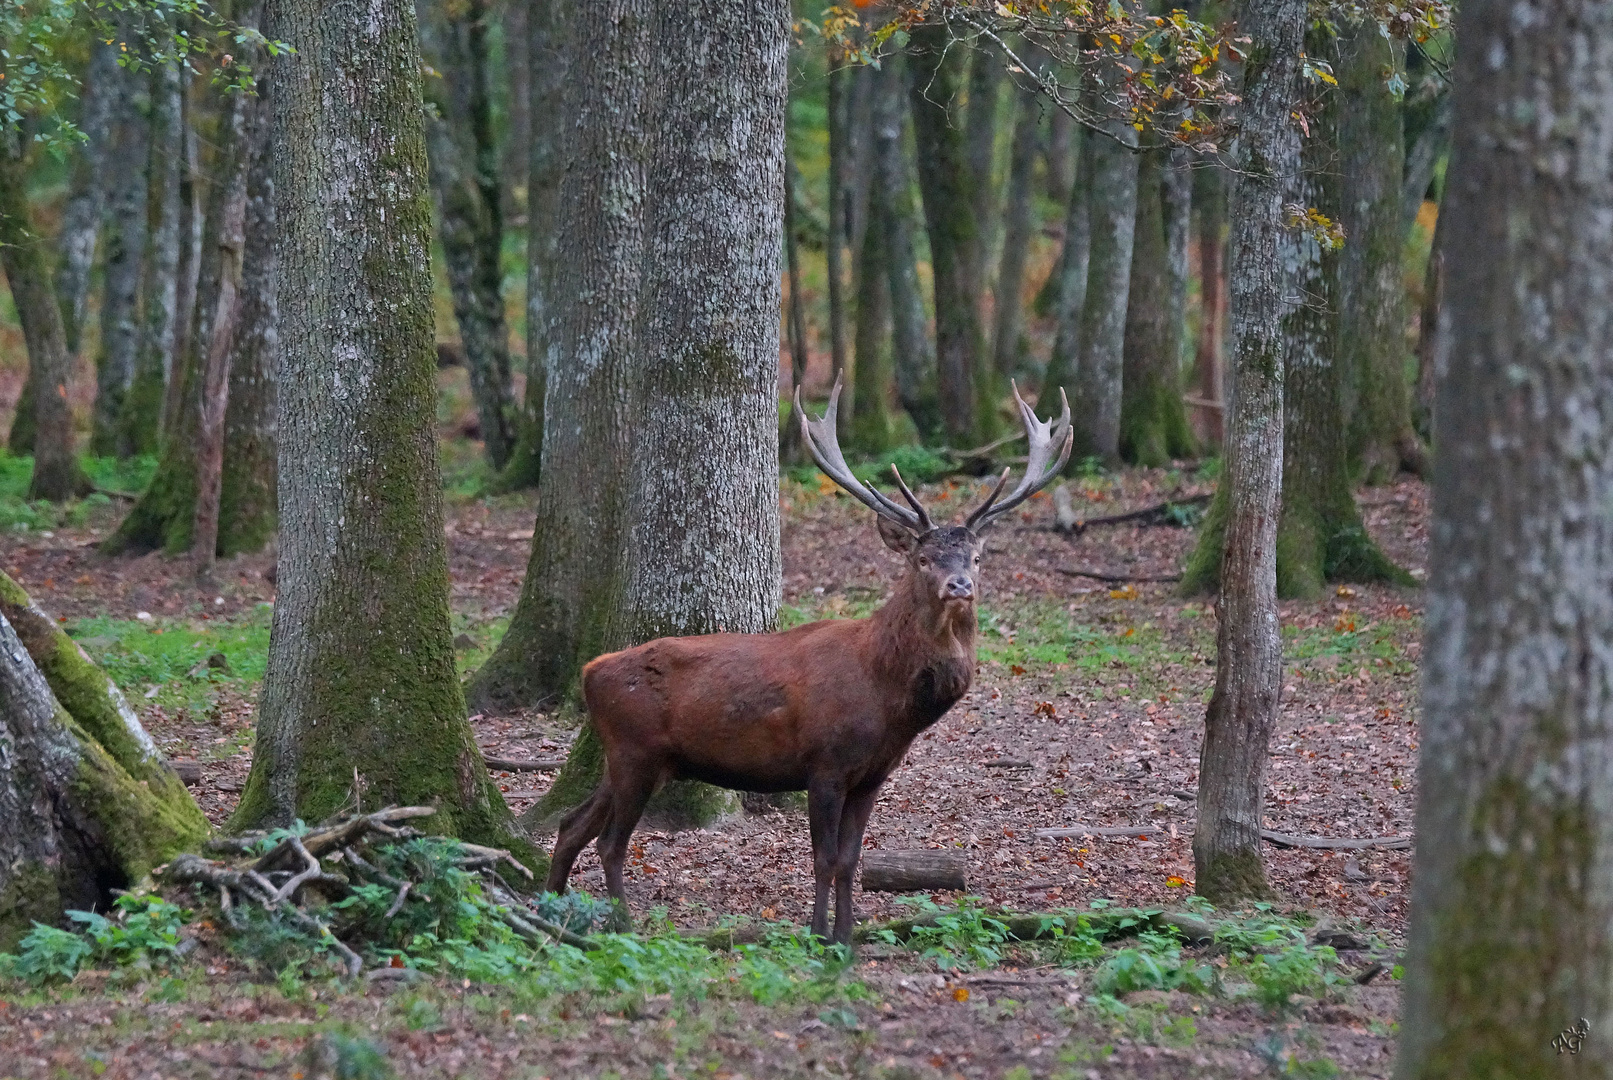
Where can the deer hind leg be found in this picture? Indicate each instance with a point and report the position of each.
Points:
(576, 829)
(853, 821)
(627, 807)
(825, 804)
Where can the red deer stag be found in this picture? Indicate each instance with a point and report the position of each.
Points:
(830, 707)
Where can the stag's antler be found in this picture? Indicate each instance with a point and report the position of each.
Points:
(824, 445)
(1044, 439)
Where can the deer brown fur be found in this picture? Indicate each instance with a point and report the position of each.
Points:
(829, 708)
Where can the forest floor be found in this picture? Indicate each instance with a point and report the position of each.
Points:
(1087, 711)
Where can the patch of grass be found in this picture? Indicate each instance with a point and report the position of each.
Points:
(1354, 643)
(1041, 635)
(173, 654)
(855, 603)
(108, 475)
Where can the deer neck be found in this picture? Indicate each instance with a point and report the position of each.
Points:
(913, 633)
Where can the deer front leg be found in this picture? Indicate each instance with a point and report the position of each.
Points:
(853, 821)
(825, 803)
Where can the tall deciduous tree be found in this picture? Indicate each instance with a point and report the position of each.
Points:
(1069, 280)
(1248, 669)
(1512, 895)
(360, 688)
(86, 195)
(1019, 219)
(1112, 210)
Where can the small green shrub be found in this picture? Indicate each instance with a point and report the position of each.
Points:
(960, 938)
(47, 954)
(1155, 963)
(141, 931)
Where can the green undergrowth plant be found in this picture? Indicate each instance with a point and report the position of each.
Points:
(185, 659)
(960, 938)
(107, 477)
(140, 932)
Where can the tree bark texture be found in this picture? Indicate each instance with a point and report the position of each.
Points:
(986, 70)
(560, 620)
(947, 181)
(1372, 294)
(839, 131)
(1060, 155)
(86, 195)
(1209, 367)
(1248, 668)
(1176, 188)
(1097, 382)
(1511, 937)
(1019, 212)
(790, 448)
(1153, 421)
(140, 424)
(360, 690)
(192, 225)
(466, 189)
(50, 366)
(871, 429)
(913, 871)
(912, 359)
(1431, 334)
(124, 247)
(1070, 276)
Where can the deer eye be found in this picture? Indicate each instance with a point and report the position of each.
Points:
(924, 563)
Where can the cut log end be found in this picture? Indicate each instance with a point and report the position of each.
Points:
(914, 871)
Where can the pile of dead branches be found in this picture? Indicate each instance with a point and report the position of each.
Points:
(301, 875)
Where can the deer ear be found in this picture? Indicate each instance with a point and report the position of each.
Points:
(896, 535)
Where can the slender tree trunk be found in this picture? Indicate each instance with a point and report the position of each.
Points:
(912, 359)
(127, 159)
(1422, 160)
(81, 216)
(702, 553)
(515, 156)
(102, 807)
(578, 539)
(50, 366)
(839, 123)
(1209, 368)
(360, 690)
(465, 186)
(986, 69)
(1070, 278)
(1153, 421)
(1248, 669)
(1432, 334)
(141, 419)
(546, 58)
(1176, 187)
(790, 433)
(1113, 213)
(192, 225)
(248, 501)
(1372, 327)
(1018, 225)
(947, 182)
(1060, 155)
(1511, 937)
(871, 430)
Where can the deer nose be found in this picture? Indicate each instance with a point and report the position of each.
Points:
(959, 587)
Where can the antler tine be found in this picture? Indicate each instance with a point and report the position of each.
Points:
(823, 443)
(912, 500)
(1043, 439)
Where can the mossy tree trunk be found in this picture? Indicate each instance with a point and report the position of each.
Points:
(545, 58)
(986, 70)
(50, 365)
(1372, 292)
(1248, 668)
(360, 690)
(578, 539)
(1153, 421)
(465, 185)
(892, 193)
(1019, 222)
(101, 805)
(948, 182)
(1069, 280)
(1511, 937)
(702, 552)
(1095, 393)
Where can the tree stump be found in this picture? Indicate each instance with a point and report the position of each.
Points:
(913, 871)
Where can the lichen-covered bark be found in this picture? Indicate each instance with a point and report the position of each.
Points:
(1153, 422)
(1009, 350)
(360, 690)
(140, 422)
(86, 194)
(1248, 669)
(934, 64)
(1095, 393)
(1372, 294)
(702, 536)
(577, 545)
(50, 365)
(124, 250)
(1511, 937)
(465, 185)
(1069, 281)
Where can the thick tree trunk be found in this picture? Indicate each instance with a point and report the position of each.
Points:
(192, 225)
(947, 182)
(839, 150)
(86, 195)
(1070, 277)
(1511, 937)
(871, 430)
(546, 53)
(1372, 304)
(465, 186)
(140, 424)
(50, 365)
(986, 70)
(1248, 668)
(1153, 421)
(1096, 389)
(360, 690)
(124, 244)
(101, 806)
(1009, 350)
(912, 359)
(578, 540)
(1209, 367)
(1176, 187)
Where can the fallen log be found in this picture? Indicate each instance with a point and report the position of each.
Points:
(498, 764)
(1283, 840)
(913, 871)
(1118, 579)
(1067, 521)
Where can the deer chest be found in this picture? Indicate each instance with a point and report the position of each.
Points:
(937, 687)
